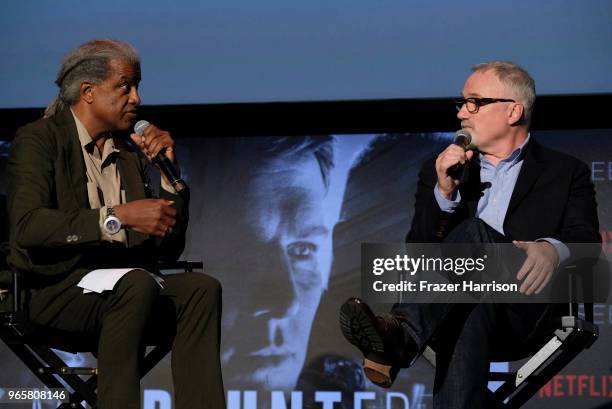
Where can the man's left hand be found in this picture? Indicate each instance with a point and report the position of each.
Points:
(537, 269)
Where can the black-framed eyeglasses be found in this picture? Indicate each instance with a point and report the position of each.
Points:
(473, 104)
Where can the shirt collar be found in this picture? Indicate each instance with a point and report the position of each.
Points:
(514, 157)
(88, 143)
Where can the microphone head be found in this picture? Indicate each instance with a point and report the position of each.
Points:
(463, 138)
(140, 126)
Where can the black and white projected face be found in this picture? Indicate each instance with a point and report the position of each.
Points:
(261, 220)
(282, 264)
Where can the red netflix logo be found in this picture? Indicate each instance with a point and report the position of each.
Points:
(561, 386)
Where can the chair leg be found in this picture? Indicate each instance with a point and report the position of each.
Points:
(36, 363)
(515, 397)
(82, 390)
(71, 406)
(152, 358)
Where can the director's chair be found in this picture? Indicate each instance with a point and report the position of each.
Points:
(570, 334)
(33, 344)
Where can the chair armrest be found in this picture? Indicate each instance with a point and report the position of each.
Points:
(185, 265)
(16, 293)
(588, 283)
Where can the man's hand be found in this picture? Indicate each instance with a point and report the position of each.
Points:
(542, 261)
(152, 141)
(451, 156)
(156, 217)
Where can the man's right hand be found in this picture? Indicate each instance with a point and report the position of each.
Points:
(156, 217)
(451, 156)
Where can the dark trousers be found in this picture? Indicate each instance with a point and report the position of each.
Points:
(466, 337)
(186, 314)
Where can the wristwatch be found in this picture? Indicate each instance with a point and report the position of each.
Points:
(112, 224)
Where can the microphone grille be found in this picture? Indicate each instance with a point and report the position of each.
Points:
(141, 126)
(462, 137)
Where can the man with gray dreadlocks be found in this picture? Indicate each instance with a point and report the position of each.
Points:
(67, 177)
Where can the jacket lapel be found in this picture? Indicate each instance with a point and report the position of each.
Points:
(530, 171)
(131, 183)
(127, 164)
(471, 191)
(74, 165)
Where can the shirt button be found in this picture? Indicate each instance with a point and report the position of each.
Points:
(69, 239)
(75, 237)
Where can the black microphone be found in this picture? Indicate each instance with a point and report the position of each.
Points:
(463, 139)
(163, 163)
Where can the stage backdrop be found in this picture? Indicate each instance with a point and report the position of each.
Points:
(279, 222)
(219, 51)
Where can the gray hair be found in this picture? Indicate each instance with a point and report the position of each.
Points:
(517, 80)
(90, 62)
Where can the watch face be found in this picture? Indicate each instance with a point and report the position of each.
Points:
(112, 225)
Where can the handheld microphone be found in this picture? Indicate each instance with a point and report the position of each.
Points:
(463, 139)
(163, 163)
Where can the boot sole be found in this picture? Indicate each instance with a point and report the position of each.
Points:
(357, 327)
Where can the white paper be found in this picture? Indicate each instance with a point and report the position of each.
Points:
(105, 279)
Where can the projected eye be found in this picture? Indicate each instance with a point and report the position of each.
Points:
(303, 260)
(301, 250)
